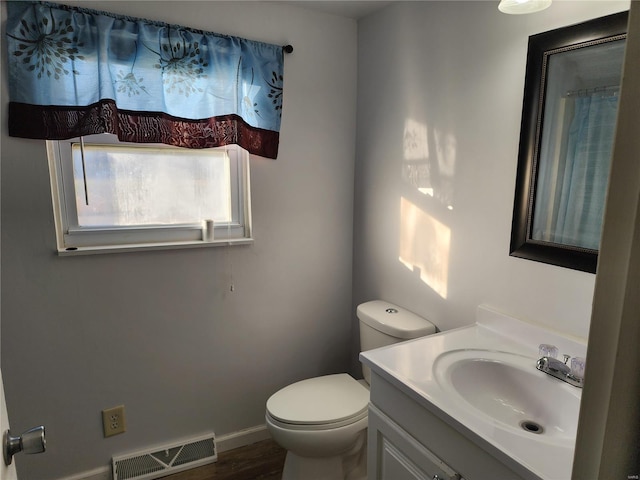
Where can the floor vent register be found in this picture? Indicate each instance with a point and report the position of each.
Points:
(161, 461)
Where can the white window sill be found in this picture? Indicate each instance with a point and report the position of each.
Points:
(97, 250)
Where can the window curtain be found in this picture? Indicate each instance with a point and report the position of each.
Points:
(75, 72)
(586, 172)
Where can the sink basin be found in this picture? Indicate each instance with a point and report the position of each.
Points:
(505, 388)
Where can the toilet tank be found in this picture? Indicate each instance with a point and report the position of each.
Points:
(382, 323)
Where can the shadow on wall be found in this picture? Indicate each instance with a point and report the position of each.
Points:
(425, 241)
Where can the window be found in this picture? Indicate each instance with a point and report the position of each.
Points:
(110, 195)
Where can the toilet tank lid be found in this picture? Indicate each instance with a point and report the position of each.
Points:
(394, 320)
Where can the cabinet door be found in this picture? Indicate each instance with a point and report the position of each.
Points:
(395, 455)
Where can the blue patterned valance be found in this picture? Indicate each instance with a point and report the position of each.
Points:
(76, 72)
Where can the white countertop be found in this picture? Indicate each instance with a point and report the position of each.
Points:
(409, 366)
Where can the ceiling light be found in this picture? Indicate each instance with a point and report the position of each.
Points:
(516, 7)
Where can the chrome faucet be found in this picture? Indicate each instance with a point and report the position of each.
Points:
(558, 369)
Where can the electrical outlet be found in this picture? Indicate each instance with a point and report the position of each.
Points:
(113, 421)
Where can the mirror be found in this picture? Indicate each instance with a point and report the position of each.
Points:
(569, 112)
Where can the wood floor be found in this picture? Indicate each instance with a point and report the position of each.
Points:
(259, 461)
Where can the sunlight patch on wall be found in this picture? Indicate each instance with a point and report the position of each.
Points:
(424, 246)
(430, 172)
(415, 167)
(446, 148)
(415, 141)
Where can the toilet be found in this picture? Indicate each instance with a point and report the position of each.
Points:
(322, 421)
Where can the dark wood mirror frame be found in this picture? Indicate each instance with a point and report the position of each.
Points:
(522, 243)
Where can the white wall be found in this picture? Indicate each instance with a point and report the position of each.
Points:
(607, 442)
(442, 82)
(160, 332)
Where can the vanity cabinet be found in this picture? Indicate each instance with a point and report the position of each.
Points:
(398, 456)
(407, 441)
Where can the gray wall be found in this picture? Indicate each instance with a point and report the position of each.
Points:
(438, 83)
(441, 84)
(160, 332)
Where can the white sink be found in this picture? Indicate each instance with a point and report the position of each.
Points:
(482, 381)
(506, 388)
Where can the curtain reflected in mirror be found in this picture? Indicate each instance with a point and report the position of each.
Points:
(568, 127)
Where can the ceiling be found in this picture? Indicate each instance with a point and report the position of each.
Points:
(355, 9)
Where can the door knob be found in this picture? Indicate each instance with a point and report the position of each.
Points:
(31, 441)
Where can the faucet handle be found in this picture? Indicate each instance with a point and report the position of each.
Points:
(577, 367)
(566, 358)
(547, 350)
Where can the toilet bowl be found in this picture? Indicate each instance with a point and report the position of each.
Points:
(322, 421)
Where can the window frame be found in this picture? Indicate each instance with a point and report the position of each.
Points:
(72, 239)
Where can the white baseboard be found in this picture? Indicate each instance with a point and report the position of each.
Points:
(102, 473)
(241, 438)
(224, 443)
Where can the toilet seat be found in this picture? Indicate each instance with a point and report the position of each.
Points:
(319, 403)
(317, 427)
